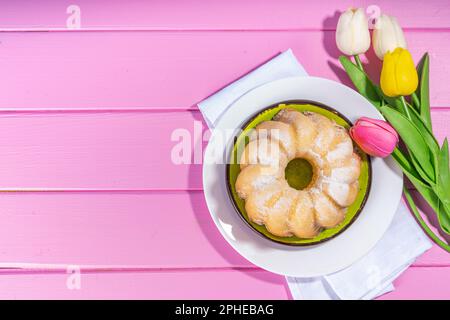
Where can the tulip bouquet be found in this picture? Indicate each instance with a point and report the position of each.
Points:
(403, 99)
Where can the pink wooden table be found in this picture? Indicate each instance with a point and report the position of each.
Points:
(85, 123)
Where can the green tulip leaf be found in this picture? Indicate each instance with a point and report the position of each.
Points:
(444, 217)
(415, 101)
(425, 191)
(435, 202)
(414, 140)
(411, 173)
(422, 222)
(405, 164)
(428, 137)
(423, 174)
(424, 129)
(361, 81)
(443, 185)
(423, 90)
(426, 132)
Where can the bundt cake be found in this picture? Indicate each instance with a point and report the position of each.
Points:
(271, 200)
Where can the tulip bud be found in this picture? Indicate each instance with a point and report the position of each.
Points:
(387, 36)
(352, 32)
(376, 137)
(398, 75)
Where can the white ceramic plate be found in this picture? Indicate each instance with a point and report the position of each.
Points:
(332, 255)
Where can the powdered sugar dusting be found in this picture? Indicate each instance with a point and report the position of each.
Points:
(338, 191)
(342, 151)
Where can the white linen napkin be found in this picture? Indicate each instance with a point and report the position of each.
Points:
(282, 66)
(372, 275)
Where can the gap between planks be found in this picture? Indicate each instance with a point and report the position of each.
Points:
(180, 30)
(11, 269)
(62, 269)
(194, 108)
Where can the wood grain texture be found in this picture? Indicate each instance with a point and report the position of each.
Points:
(421, 283)
(255, 284)
(85, 123)
(212, 15)
(169, 70)
(154, 230)
(414, 283)
(107, 151)
(95, 151)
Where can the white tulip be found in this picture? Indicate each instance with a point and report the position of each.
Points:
(352, 32)
(387, 36)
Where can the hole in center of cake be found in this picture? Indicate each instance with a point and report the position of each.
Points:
(299, 173)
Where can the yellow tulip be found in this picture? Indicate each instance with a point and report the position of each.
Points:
(399, 74)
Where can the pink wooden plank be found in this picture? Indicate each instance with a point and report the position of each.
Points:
(105, 151)
(120, 229)
(415, 283)
(197, 14)
(441, 119)
(422, 283)
(253, 284)
(101, 151)
(155, 230)
(175, 70)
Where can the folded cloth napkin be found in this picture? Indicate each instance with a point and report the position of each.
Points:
(372, 275)
(282, 66)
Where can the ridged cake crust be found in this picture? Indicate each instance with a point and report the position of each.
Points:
(270, 201)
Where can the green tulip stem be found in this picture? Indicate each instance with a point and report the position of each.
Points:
(424, 225)
(358, 62)
(405, 107)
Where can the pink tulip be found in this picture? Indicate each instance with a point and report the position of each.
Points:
(376, 137)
